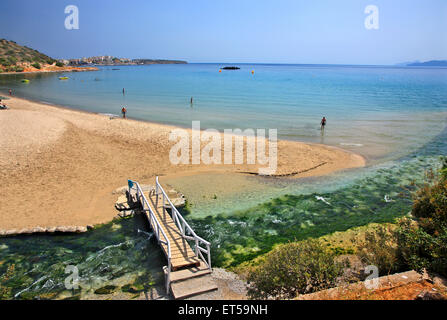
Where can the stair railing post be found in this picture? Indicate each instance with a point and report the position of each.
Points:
(209, 255)
(156, 192)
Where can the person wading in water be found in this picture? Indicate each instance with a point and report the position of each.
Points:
(123, 111)
(323, 123)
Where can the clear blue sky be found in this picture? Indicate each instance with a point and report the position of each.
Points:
(276, 31)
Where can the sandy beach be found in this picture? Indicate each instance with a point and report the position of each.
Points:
(60, 166)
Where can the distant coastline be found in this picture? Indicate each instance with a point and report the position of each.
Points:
(114, 61)
(431, 63)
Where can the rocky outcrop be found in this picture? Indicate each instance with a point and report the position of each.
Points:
(34, 230)
(124, 204)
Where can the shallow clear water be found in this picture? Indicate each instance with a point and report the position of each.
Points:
(394, 116)
(116, 254)
(380, 112)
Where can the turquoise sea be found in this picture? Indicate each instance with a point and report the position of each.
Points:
(376, 111)
(394, 116)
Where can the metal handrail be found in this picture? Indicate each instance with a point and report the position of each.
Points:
(156, 227)
(185, 227)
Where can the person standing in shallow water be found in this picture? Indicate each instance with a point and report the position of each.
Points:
(323, 123)
(123, 111)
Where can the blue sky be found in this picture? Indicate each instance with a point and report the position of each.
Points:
(280, 31)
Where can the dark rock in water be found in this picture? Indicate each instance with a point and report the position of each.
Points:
(230, 68)
(427, 295)
(132, 288)
(105, 290)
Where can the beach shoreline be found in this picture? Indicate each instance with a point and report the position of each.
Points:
(61, 166)
(49, 70)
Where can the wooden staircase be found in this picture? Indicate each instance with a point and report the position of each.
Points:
(191, 282)
(188, 272)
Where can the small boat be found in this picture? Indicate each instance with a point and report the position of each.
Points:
(63, 78)
(25, 80)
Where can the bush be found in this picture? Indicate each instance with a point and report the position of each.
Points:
(59, 64)
(12, 60)
(423, 242)
(36, 65)
(380, 249)
(292, 269)
(421, 250)
(5, 62)
(430, 204)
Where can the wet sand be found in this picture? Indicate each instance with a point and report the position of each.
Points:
(60, 166)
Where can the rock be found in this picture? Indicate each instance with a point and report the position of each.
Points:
(38, 230)
(178, 202)
(81, 229)
(66, 229)
(105, 290)
(120, 190)
(123, 204)
(126, 213)
(430, 295)
(25, 231)
(71, 229)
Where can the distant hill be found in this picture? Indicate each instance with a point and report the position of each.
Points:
(16, 58)
(432, 63)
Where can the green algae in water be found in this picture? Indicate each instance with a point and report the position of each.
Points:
(117, 255)
(381, 195)
(110, 256)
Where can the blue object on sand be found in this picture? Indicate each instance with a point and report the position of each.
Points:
(130, 183)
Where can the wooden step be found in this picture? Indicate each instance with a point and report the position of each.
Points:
(194, 286)
(189, 273)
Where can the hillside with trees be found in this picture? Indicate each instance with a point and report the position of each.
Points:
(17, 58)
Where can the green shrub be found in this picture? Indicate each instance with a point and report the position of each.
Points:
(5, 62)
(430, 204)
(423, 242)
(36, 65)
(12, 60)
(380, 249)
(59, 64)
(421, 250)
(292, 269)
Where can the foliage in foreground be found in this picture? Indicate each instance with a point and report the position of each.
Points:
(418, 243)
(380, 249)
(292, 269)
(424, 244)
